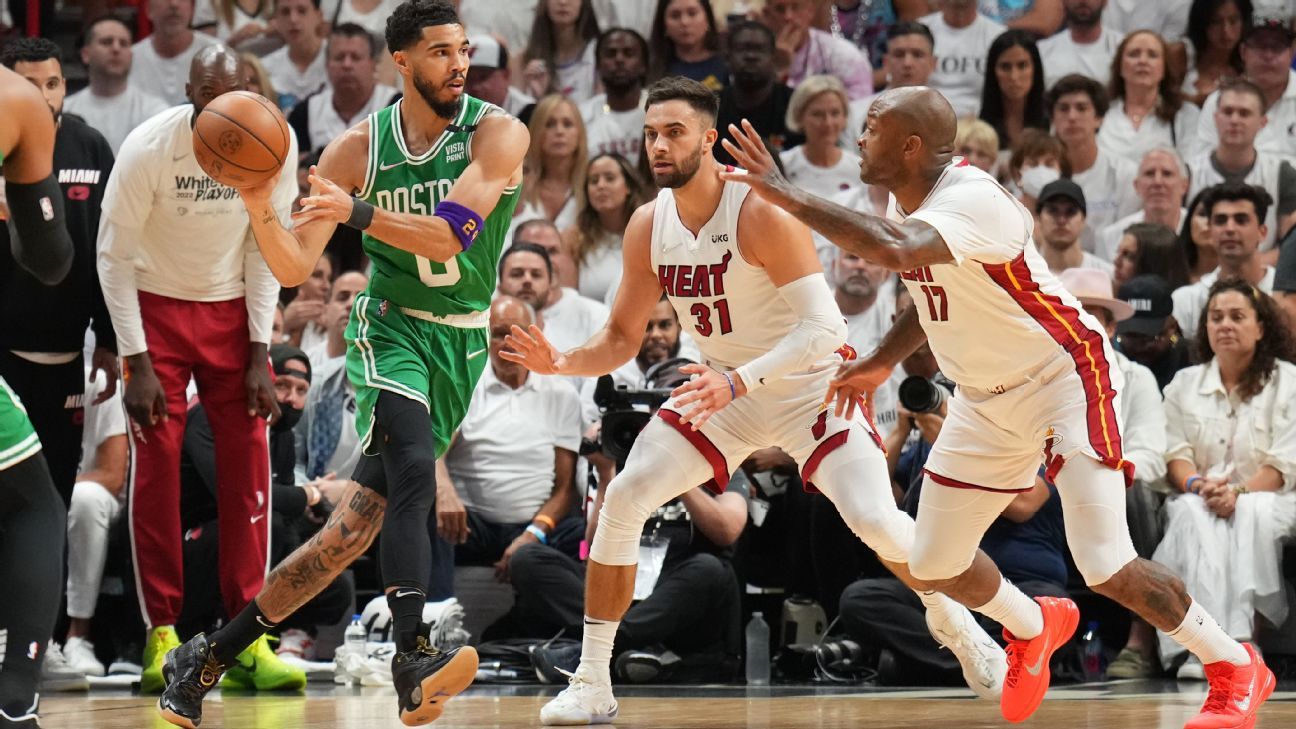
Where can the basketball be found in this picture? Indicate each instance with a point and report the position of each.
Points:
(240, 139)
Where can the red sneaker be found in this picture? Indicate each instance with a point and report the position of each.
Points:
(1028, 660)
(1236, 692)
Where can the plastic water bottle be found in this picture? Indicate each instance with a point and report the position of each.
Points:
(354, 648)
(758, 651)
(1092, 650)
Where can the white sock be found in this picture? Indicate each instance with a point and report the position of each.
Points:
(1200, 635)
(596, 646)
(1012, 609)
(940, 608)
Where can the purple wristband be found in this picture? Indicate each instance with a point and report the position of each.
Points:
(464, 223)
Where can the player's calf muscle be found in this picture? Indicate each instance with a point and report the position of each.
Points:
(1152, 591)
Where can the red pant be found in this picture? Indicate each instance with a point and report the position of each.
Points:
(208, 340)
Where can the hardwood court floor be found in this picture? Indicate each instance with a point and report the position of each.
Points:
(1141, 705)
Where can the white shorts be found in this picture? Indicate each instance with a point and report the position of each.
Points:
(995, 439)
(789, 413)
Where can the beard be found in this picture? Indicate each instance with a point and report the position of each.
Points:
(444, 109)
(858, 286)
(682, 173)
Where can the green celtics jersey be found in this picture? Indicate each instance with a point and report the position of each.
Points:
(400, 182)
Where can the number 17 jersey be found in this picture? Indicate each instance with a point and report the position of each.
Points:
(400, 182)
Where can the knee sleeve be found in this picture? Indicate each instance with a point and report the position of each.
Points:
(951, 522)
(854, 478)
(1093, 507)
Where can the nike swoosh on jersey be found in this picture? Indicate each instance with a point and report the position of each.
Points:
(258, 518)
(406, 593)
(384, 167)
(475, 355)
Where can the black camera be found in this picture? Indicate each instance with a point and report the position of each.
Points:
(626, 411)
(921, 395)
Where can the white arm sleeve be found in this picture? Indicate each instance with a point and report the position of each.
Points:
(116, 265)
(820, 331)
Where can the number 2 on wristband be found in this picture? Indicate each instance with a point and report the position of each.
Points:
(436, 280)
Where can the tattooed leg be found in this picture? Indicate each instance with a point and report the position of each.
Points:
(1151, 591)
(350, 530)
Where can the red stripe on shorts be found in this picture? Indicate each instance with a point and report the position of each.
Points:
(829, 444)
(703, 444)
(957, 484)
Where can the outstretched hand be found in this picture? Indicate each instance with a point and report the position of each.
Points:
(758, 168)
(530, 348)
(328, 202)
(855, 382)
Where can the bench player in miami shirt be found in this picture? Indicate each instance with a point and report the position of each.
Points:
(432, 181)
(1035, 384)
(745, 276)
(33, 520)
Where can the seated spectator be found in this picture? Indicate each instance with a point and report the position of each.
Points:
(614, 119)
(1236, 214)
(236, 23)
(1266, 52)
(555, 164)
(909, 60)
(1231, 453)
(865, 294)
(1236, 157)
(611, 194)
(818, 109)
(489, 78)
(1035, 161)
(865, 25)
(546, 235)
(1151, 336)
(635, 16)
(685, 43)
(977, 142)
(327, 442)
(256, 79)
(1062, 212)
(1147, 108)
(277, 327)
(1285, 279)
(352, 93)
(1077, 106)
(1195, 239)
(806, 51)
(1149, 248)
(160, 64)
(1167, 18)
(368, 14)
(963, 39)
(1012, 99)
(754, 92)
(562, 39)
(1160, 184)
(1041, 18)
(304, 323)
(1085, 46)
(299, 68)
(1213, 31)
(110, 103)
(97, 501)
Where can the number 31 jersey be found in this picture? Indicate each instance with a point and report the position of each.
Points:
(400, 182)
(996, 311)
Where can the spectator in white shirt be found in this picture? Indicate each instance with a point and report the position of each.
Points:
(1266, 52)
(1147, 108)
(1239, 117)
(190, 295)
(1077, 105)
(865, 294)
(1150, 249)
(610, 196)
(555, 162)
(297, 70)
(161, 62)
(614, 119)
(368, 14)
(327, 442)
(527, 273)
(1166, 18)
(511, 467)
(242, 24)
(1236, 211)
(1036, 160)
(1213, 32)
(352, 94)
(1195, 239)
(977, 142)
(489, 78)
(1041, 18)
(1085, 46)
(1231, 452)
(562, 38)
(1062, 212)
(807, 51)
(963, 37)
(818, 109)
(545, 234)
(1160, 185)
(909, 60)
(111, 103)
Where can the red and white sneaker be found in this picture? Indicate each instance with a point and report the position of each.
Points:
(1028, 660)
(1236, 693)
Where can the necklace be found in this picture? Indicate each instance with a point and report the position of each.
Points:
(861, 13)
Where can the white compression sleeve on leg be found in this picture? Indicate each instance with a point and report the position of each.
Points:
(1093, 505)
(820, 330)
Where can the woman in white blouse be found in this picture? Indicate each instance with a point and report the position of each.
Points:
(555, 164)
(1147, 108)
(1231, 452)
(819, 109)
(610, 195)
(563, 36)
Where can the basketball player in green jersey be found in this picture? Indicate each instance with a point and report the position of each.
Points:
(433, 182)
(33, 520)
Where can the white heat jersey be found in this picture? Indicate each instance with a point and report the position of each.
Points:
(996, 312)
(732, 309)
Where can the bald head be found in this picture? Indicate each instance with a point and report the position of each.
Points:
(921, 111)
(215, 70)
(507, 312)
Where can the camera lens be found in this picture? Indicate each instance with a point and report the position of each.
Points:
(921, 395)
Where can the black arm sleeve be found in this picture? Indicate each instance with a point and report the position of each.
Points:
(100, 321)
(38, 235)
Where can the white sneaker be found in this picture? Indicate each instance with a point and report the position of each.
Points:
(80, 655)
(57, 675)
(1192, 670)
(586, 700)
(296, 643)
(984, 662)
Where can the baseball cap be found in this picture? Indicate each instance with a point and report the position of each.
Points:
(1061, 187)
(1094, 288)
(1149, 296)
(281, 354)
(486, 52)
(1271, 23)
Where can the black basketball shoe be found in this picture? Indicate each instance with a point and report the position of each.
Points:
(21, 718)
(426, 678)
(190, 671)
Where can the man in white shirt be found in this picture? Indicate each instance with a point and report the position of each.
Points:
(190, 295)
(1167, 18)
(161, 63)
(353, 91)
(865, 293)
(1061, 209)
(614, 119)
(489, 78)
(1076, 105)
(1085, 47)
(963, 37)
(297, 69)
(1161, 184)
(910, 60)
(110, 103)
(807, 51)
(527, 273)
(326, 441)
(1266, 52)
(1236, 211)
